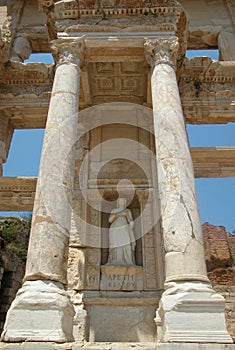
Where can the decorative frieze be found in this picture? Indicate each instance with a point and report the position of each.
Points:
(33, 73)
(72, 9)
(203, 70)
(17, 193)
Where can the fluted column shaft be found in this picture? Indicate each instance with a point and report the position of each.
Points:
(181, 226)
(49, 238)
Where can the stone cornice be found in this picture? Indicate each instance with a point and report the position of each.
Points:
(86, 8)
(164, 15)
(17, 193)
(213, 161)
(17, 73)
(206, 70)
(207, 89)
(67, 10)
(161, 51)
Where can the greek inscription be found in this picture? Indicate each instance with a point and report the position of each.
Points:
(119, 281)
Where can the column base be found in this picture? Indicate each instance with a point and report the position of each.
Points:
(191, 312)
(40, 312)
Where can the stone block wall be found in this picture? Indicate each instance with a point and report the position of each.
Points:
(220, 261)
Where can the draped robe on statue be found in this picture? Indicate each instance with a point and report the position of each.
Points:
(121, 238)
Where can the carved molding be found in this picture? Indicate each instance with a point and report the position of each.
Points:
(206, 70)
(206, 88)
(112, 15)
(17, 193)
(18, 73)
(208, 107)
(161, 51)
(9, 27)
(67, 11)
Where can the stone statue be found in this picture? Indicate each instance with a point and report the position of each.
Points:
(121, 236)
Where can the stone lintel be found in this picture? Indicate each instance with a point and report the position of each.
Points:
(17, 193)
(213, 161)
(206, 86)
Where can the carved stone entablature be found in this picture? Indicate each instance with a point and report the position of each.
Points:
(73, 10)
(68, 51)
(116, 15)
(9, 27)
(32, 73)
(17, 193)
(208, 70)
(202, 74)
(161, 50)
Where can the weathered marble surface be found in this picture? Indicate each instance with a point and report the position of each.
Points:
(40, 312)
(121, 277)
(122, 323)
(122, 242)
(179, 212)
(226, 44)
(21, 49)
(47, 309)
(52, 208)
(190, 294)
(197, 302)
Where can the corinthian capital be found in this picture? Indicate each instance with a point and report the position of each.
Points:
(161, 50)
(67, 51)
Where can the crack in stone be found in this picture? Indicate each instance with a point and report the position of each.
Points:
(190, 220)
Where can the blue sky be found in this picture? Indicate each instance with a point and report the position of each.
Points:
(216, 197)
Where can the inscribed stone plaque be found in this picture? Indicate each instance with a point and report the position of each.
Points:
(121, 278)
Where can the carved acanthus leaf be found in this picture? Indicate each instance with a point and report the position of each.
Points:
(161, 50)
(68, 51)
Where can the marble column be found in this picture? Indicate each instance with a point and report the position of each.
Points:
(6, 132)
(188, 293)
(2, 155)
(42, 302)
(226, 46)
